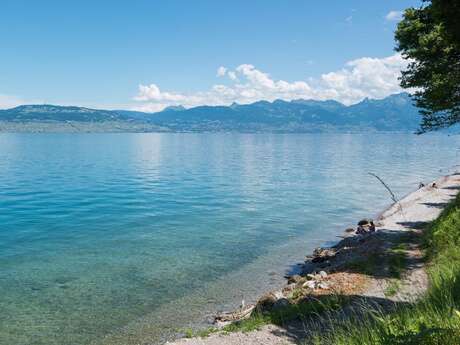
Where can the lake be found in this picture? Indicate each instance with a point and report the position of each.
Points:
(130, 238)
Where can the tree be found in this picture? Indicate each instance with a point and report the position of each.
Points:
(429, 37)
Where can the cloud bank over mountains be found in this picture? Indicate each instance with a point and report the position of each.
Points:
(358, 79)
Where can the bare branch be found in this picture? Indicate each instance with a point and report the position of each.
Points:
(393, 196)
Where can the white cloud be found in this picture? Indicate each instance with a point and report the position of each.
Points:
(360, 78)
(149, 107)
(221, 71)
(364, 77)
(152, 93)
(394, 16)
(232, 75)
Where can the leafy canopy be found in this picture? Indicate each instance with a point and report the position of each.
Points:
(429, 37)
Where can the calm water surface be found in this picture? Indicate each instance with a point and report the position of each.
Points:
(126, 238)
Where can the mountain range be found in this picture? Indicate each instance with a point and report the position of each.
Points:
(393, 113)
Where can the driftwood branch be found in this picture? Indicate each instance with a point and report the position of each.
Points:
(393, 196)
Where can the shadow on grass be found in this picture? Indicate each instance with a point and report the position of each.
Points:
(295, 321)
(379, 255)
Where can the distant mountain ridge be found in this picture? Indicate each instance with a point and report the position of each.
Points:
(393, 113)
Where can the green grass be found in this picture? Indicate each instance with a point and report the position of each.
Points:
(282, 315)
(392, 288)
(397, 261)
(188, 332)
(365, 265)
(435, 319)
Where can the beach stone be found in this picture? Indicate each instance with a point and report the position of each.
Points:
(317, 251)
(289, 288)
(323, 286)
(323, 254)
(318, 259)
(269, 301)
(266, 302)
(280, 303)
(294, 279)
(311, 284)
(278, 295)
(323, 274)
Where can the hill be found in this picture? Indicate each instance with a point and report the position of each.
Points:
(393, 113)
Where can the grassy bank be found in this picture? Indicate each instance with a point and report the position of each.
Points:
(435, 319)
(281, 316)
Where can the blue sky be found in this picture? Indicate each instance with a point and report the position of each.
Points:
(98, 53)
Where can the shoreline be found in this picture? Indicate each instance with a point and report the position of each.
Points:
(423, 205)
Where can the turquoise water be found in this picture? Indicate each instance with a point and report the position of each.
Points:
(125, 238)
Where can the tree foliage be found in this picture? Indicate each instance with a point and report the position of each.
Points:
(429, 37)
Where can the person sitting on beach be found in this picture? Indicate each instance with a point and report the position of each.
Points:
(360, 230)
(371, 226)
(365, 226)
